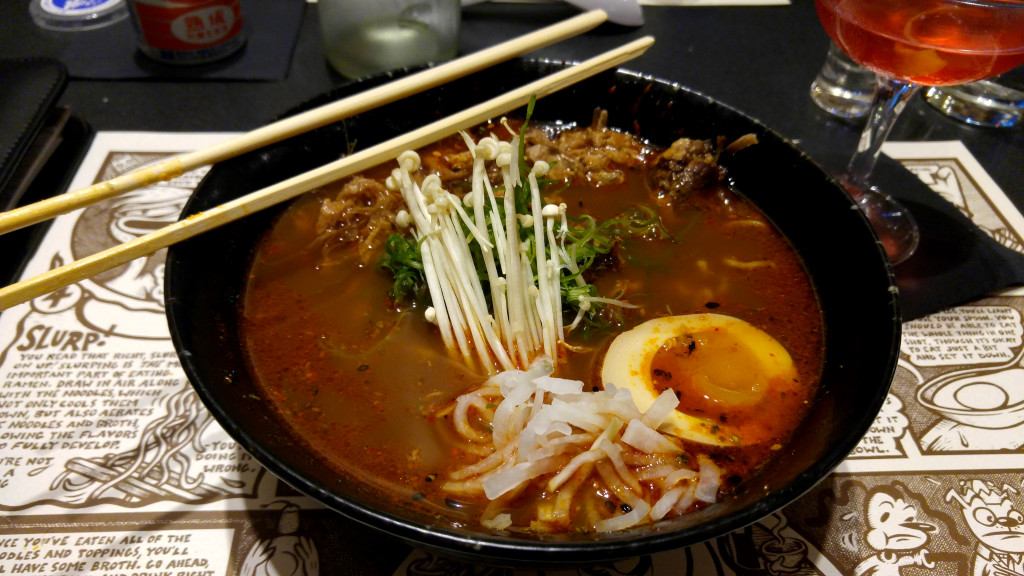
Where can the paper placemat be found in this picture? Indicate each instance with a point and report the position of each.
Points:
(88, 378)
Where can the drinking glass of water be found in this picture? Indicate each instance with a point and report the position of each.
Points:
(843, 88)
(996, 102)
(363, 37)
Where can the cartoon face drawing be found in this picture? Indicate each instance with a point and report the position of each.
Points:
(991, 515)
(893, 525)
(140, 212)
(124, 219)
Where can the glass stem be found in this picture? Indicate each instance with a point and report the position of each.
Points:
(891, 97)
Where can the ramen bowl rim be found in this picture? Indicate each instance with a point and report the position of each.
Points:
(504, 550)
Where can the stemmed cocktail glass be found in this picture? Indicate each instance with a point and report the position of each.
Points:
(909, 44)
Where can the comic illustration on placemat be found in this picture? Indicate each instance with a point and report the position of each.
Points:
(953, 173)
(95, 408)
(958, 389)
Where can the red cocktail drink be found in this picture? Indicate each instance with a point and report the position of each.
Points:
(928, 42)
(909, 44)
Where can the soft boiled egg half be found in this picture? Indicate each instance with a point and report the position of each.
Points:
(722, 368)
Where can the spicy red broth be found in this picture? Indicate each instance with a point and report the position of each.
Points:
(365, 382)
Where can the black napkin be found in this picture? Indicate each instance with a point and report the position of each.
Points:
(111, 53)
(41, 146)
(956, 261)
(31, 87)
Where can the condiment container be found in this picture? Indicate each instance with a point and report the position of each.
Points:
(189, 31)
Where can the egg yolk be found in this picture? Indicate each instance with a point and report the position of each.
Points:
(709, 370)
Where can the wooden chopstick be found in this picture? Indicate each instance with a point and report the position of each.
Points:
(292, 187)
(298, 124)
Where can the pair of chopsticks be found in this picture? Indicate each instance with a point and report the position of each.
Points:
(356, 162)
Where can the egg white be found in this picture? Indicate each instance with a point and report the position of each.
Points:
(628, 365)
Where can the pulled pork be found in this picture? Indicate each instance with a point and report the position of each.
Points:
(451, 165)
(363, 212)
(686, 166)
(596, 154)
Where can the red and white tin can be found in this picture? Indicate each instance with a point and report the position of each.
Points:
(189, 31)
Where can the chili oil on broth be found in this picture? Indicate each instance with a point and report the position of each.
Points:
(362, 382)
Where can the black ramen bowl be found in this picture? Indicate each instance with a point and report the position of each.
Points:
(206, 276)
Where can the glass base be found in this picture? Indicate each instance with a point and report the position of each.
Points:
(895, 226)
(839, 102)
(843, 88)
(982, 103)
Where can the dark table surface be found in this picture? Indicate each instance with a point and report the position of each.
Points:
(758, 59)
